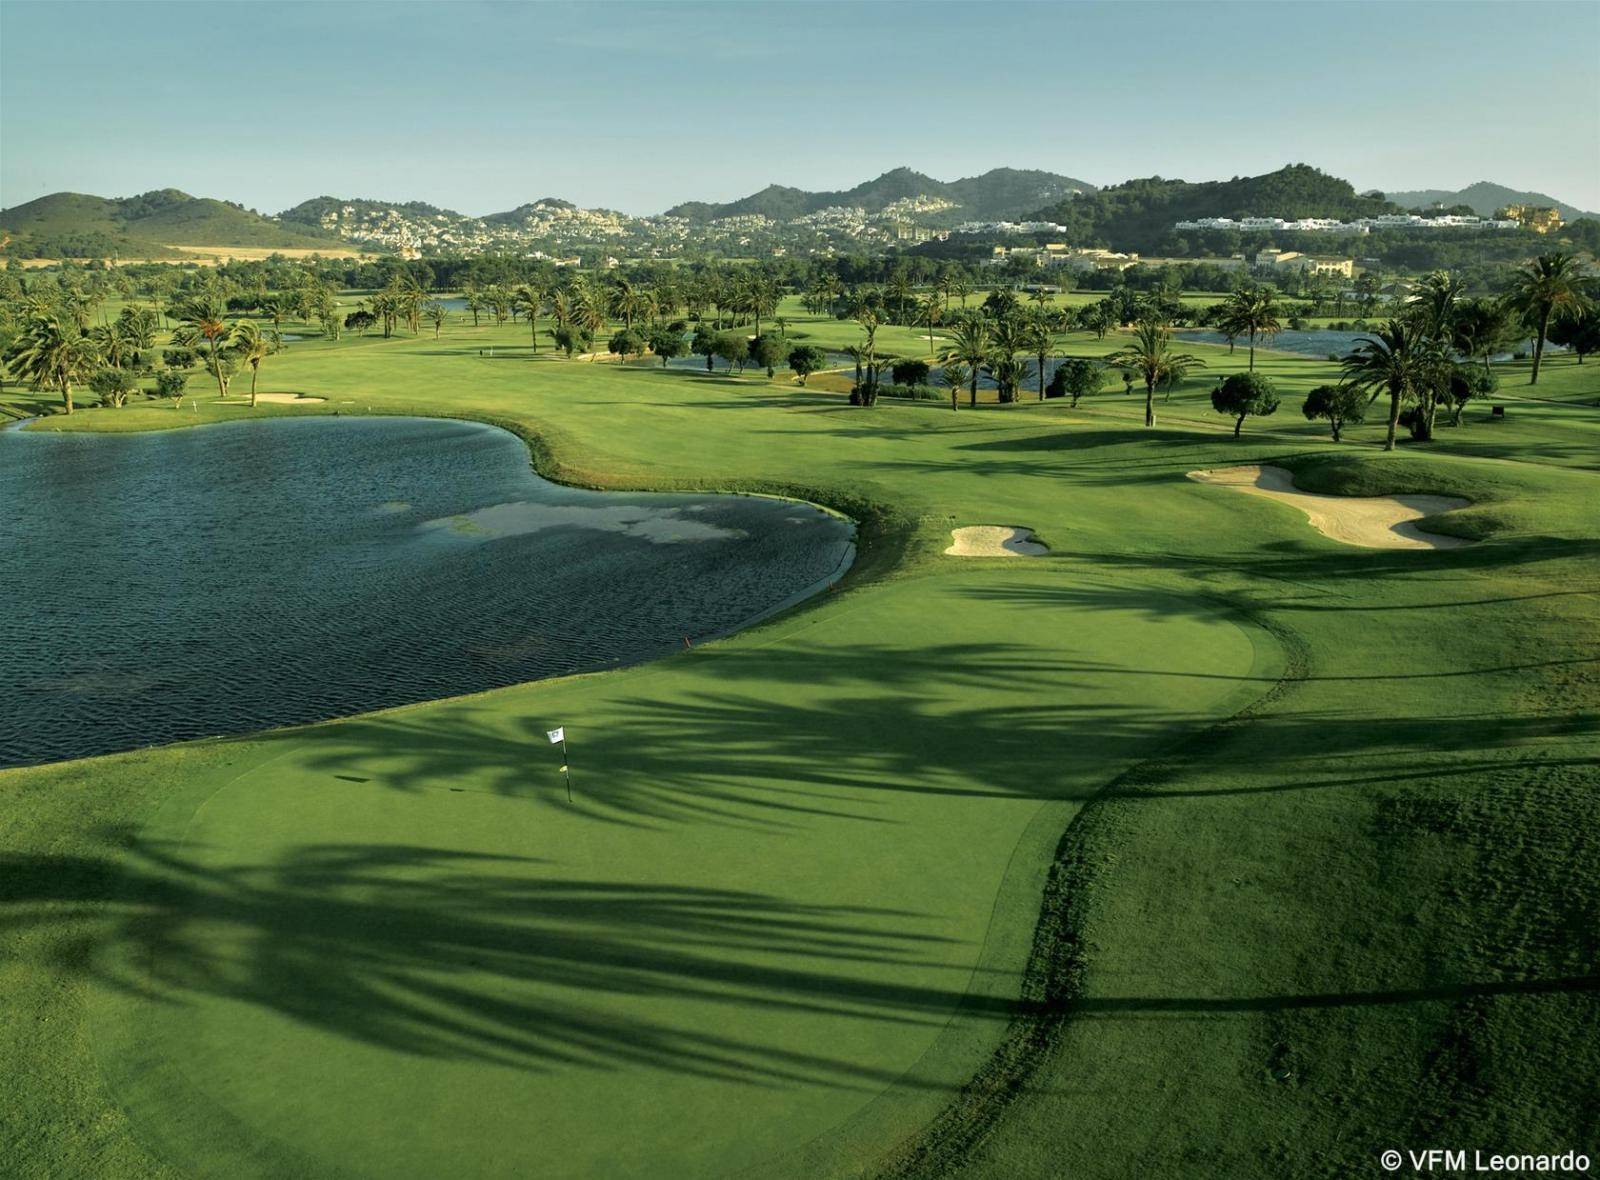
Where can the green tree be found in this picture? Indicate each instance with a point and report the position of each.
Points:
(1580, 332)
(626, 343)
(1483, 328)
(170, 383)
(1244, 395)
(767, 350)
(806, 359)
(1335, 404)
(436, 315)
(733, 348)
(1150, 357)
(114, 385)
(667, 342)
(1077, 377)
(1550, 286)
(705, 344)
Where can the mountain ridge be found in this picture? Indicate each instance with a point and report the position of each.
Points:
(996, 195)
(151, 224)
(1485, 198)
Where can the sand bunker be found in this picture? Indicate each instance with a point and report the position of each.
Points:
(288, 398)
(994, 540)
(1373, 522)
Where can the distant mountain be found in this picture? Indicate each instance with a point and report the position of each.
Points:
(997, 195)
(149, 226)
(1485, 198)
(1138, 214)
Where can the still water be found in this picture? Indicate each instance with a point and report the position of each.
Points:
(182, 583)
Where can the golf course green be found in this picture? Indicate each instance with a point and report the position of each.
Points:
(1200, 844)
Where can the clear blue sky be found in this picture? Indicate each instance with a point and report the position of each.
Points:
(480, 106)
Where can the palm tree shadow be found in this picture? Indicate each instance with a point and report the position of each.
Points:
(476, 957)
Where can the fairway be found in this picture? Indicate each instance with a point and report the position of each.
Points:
(798, 882)
(387, 941)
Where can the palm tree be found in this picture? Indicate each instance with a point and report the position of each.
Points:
(1392, 360)
(1040, 341)
(1549, 286)
(436, 314)
(201, 319)
(954, 375)
(51, 352)
(969, 345)
(867, 317)
(931, 313)
(1435, 303)
(529, 298)
(1008, 338)
(1252, 312)
(253, 346)
(474, 303)
(1151, 357)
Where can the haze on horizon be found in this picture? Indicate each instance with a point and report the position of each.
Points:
(480, 107)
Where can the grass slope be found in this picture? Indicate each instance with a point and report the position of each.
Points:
(1314, 828)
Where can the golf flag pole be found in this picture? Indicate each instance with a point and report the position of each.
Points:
(558, 736)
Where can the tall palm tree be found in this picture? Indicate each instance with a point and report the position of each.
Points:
(1549, 286)
(530, 297)
(1040, 342)
(1151, 357)
(868, 318)
(969, 345)
(253, 346)
(1392, 360)
(201, 319)
(932, 312)
(52, 352)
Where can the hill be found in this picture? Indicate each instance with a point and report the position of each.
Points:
(996, 195)
(1138, 214)
(1484, 198)
(146, 226)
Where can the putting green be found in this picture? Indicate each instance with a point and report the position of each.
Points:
(391, 947)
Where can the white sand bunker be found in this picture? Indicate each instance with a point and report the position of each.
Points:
(994, 540)
(288, 398)
(1373, 522)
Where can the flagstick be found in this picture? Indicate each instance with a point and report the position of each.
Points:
(566, 767)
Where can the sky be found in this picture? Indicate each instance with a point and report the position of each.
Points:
(479, 107)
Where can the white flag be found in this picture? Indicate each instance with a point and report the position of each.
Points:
(557, 735)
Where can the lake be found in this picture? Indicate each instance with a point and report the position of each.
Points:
(228, 578)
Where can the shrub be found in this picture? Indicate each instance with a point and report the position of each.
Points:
(915, 392)
(910, 372)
